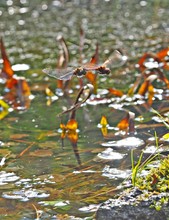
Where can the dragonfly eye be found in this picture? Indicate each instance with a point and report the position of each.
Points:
(103, 70)
(107, 71)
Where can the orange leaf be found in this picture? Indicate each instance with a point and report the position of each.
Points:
(95, 57)
(142, 60)
(11, 82)
(163, 78)
(91, 77)
(124, 123)
(163, 53)
(143, 88)
(7, 70)
(127, 122)
(25, 87)
(150, 94)
(116, 92)
(60, 84)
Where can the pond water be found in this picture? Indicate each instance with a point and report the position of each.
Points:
(70, 181)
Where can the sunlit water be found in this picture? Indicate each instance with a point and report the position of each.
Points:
(48, 179)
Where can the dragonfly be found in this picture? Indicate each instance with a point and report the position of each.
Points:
(117, 59)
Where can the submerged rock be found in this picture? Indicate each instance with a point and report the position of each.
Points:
(131, 207)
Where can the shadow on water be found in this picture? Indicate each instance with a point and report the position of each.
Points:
(51, 173)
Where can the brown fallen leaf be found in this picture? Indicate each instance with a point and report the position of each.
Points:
(41, 153)
(18, 136)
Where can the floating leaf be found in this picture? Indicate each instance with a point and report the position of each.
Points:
(124, 123)
(4, 107)
(41, 153)
(61, 204)
(18, 136)
(103, 121)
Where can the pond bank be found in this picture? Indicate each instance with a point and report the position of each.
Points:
(128, 206)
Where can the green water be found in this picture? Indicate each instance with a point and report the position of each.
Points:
(47, 175)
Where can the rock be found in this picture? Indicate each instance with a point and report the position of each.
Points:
(130, 207)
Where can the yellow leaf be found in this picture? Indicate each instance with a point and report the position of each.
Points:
(3, 109)
(49, 92)
(166, 136)
(103, 121)
(104, 131)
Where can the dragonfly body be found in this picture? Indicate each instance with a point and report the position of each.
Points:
(66, 74)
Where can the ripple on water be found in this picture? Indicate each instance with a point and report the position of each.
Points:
(110, 154)
(6, 178)
(25, 195)
(113, 173)
(129, 142)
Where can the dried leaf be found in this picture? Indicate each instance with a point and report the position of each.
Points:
(134, 87)
(41, 153)
(90, 75)
(150, 94)
(163, 55)
(11, 83)
(115, 92)
(127, 123)
(7, 71)
(18, 136)
(143, 88)
(19, 93)
(64, 53)
(124, 123)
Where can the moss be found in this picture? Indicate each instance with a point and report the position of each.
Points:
(157, 178)
(155, 182)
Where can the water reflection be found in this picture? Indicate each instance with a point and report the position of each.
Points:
(46, 171)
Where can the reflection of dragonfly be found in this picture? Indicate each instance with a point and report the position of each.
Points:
(117, 59)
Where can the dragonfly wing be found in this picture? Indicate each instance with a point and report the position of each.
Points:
(62, 74)
(117, 59)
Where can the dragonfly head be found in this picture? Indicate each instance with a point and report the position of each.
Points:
(103, 70)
